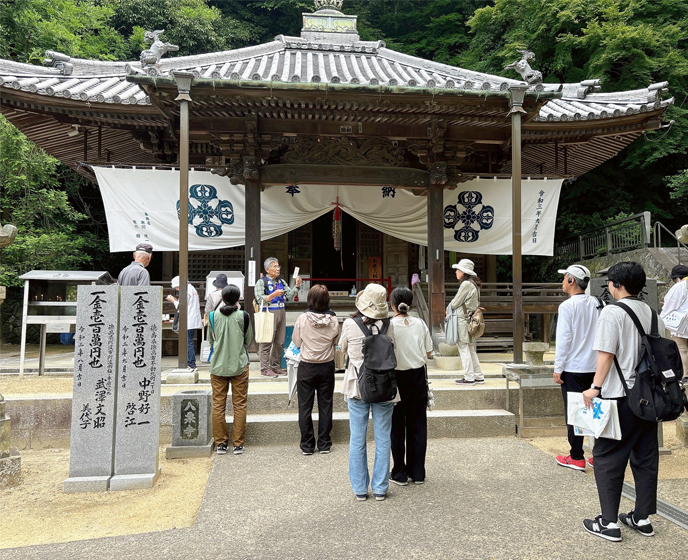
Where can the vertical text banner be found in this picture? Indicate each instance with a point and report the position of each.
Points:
(95, 388)
(138, 388)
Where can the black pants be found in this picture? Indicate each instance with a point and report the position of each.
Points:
(639, 443)
(311, 378)
(575, 383)
(410, 426)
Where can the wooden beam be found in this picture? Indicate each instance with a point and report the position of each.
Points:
(252, 228)
(299, 174)
(435, 207)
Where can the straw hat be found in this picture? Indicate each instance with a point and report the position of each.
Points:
(465, 266)
(372, 302)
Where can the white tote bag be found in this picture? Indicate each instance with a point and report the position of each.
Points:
(265, 326)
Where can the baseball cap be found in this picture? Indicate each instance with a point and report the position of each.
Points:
(145, 247)
(577, 271)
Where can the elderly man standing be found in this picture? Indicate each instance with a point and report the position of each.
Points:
(574, 358)
(136, 274)
(272, 292)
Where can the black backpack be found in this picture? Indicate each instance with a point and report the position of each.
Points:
(377, 381)
(658, 394)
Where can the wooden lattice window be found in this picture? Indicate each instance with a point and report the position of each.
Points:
(369, 241)
(301, 243)
(203, 262)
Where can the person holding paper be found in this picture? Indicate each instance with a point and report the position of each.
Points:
(617, 337)
(574, 358)
(676, 301)
(272, 292)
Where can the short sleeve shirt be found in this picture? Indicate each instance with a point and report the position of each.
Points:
(617, 335)
(412, 342)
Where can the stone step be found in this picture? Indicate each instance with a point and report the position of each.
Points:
(278, 429)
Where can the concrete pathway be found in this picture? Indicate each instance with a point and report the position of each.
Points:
(484, 499)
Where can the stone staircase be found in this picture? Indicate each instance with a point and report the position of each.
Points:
(477, 411)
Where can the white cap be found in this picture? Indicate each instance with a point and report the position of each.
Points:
(577, 271)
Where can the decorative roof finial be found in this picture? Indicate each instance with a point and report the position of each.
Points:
(523, 67)
(332, 4)
(150, 58)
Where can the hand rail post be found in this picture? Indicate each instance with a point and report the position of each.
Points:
(608, 235)
(581, 247)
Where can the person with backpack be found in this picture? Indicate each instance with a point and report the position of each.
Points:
(368, 341)
(466, 302)
(574, 358)
(618, 342)
(315, 333)
(413, 346)
(230, 335)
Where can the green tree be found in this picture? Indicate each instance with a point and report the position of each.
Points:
(34, 199)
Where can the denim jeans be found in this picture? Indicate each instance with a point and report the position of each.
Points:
(191, 348)
(358, 456)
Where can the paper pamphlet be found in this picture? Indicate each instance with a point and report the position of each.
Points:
(602, 420)
(296, 272)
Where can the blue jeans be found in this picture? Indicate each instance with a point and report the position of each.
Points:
(191, 349)
(358, 457)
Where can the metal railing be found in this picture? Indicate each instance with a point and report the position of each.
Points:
(627, 234)
(657, 239)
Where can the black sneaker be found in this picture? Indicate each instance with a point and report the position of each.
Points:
(464, 381)
(399, 482)
(643, 526)
(611, 531)
(222, 449)
(361, 497)
(324, 451)
(307, 452)
(480, 382)
(380, 497)
(238, 449)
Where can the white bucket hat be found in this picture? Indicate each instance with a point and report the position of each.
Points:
(372, 302)
(175, 282)
(465, 266)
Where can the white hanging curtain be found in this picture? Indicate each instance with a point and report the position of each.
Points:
(141, 205)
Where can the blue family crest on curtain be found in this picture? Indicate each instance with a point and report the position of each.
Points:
(468, 211)
(212, 217)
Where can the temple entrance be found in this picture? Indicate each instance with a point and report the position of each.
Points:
(328, 263)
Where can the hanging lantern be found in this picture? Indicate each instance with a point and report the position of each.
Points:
(337, 226)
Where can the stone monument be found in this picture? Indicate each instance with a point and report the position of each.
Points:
(91, 449)
(137, 433)
(192, 426)
(599, 288)
(10, 461)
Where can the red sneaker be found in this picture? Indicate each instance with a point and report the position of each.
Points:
(571, 463)
(590, 463)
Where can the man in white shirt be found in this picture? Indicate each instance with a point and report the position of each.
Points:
(617, 337)
(574, 358)
(193, 319)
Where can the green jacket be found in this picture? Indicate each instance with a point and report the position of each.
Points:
(229, 342)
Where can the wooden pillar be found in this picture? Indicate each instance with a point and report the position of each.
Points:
(516, 102)
(184, 86)
(436, 247)
(252, 227)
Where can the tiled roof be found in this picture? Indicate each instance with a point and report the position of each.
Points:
(295, 59)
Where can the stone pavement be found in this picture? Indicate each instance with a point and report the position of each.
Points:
(484, 499)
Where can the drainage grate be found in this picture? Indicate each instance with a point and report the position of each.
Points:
(665, 509)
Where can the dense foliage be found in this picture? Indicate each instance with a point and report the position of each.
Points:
(626, 43)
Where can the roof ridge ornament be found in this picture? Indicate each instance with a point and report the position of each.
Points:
(150, 58)
(60, 61)
(522, 66)
(331, 4)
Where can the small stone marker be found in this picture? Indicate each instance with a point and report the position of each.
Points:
(95, 385)
(137, 434)
(192, 428)
(10, 461)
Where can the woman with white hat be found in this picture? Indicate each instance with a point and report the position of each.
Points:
(373, 309)
(466, 301)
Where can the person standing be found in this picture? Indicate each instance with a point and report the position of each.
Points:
(373, 310)
(214, 299)
(230, 335)
(677, 300)
(617, 342)
(409, 420)
(574, 358)
(272, 292)
(315, 333)
(466, 301)
(193, 319)
(136, 274)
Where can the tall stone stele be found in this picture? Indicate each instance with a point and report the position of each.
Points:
(10, 461)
